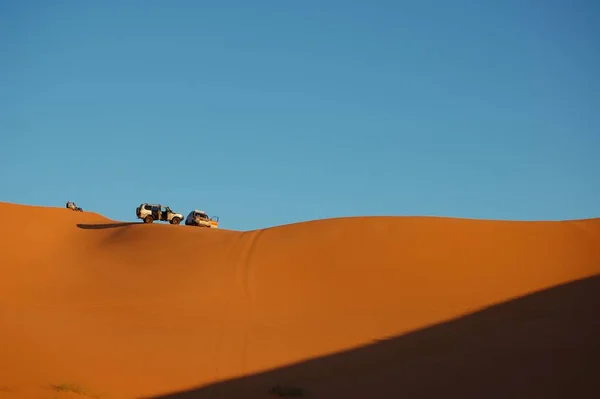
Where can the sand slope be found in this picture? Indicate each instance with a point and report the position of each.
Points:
(130, 310)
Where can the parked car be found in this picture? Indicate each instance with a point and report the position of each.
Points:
(201, 219)
(151, 212)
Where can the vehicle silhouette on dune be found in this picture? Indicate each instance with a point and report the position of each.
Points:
(73, 206)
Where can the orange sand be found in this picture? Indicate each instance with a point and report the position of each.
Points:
(133, 310)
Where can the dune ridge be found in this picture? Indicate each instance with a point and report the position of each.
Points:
(132, 310)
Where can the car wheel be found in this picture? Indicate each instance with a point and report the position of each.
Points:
(148, 219)
(175, 221)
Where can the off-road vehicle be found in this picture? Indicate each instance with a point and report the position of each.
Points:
(151, 212)
(72, 206)
(201, 219)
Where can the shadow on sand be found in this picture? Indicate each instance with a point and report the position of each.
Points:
(544, 345)
(100, 226)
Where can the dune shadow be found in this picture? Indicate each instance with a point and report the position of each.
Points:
(100, 226)
(544, 345)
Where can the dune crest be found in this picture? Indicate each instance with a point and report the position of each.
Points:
(131, 310)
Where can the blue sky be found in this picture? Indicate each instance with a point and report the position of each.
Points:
(268, 112)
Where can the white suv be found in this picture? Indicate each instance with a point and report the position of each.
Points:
(151, 212)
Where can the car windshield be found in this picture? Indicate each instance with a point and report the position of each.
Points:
(202, 215)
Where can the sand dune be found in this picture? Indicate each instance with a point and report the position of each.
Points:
(125, 310)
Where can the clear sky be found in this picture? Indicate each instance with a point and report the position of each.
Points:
(267, 112)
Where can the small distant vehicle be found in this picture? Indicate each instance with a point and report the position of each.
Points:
(151, 212)
(201, 219)
(72, 206)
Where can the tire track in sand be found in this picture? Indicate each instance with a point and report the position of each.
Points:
(244, 265)
(245, 272)
(232, 256)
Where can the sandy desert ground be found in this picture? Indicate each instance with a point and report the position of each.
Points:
(365, 307)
